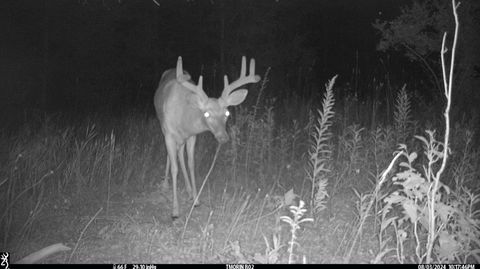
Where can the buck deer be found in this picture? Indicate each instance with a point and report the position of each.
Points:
(185, 110)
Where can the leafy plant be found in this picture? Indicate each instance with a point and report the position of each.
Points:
(402, 115)
(298, 212)
(320, 151)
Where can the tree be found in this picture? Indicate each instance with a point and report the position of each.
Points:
(417, 33)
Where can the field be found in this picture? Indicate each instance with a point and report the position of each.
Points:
(95, 186)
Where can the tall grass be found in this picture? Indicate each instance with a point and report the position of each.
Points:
(55, 166)
(59, 166)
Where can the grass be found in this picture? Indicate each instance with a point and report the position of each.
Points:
(57, 176)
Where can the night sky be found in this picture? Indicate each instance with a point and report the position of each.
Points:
(70, 55)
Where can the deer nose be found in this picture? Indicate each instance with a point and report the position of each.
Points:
(222, 138)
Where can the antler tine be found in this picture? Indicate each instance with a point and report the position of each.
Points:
(252, 67)
(243, 71)
(200, 83)
(225, 82)
(243, 79)
(179, 68)
(184, 80)
(198, 89)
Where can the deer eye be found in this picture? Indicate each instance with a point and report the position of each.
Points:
(206, 114)
(227, 113)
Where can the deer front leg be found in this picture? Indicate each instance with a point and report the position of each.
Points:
(191, 166)
(167, 171)
(172, 155)
(181, 157)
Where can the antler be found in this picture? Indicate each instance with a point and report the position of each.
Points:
(184, 80)
(242, 80)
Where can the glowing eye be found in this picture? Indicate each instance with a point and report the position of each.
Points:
(227, 113)
(206, 114)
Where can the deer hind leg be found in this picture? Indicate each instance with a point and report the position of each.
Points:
(191, 165)
(181, 157)
(172, 155)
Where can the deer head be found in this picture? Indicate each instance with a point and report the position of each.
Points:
(214, 110)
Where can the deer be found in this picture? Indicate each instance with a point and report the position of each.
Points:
(184, 111)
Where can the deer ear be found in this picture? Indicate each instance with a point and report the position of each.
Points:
(236, 97)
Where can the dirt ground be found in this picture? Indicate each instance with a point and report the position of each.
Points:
(136, 227)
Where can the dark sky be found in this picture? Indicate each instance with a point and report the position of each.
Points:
(65, 52)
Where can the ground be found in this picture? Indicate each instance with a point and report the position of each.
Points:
(136, 227)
